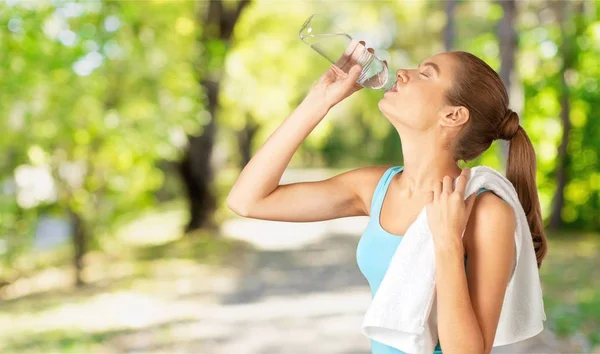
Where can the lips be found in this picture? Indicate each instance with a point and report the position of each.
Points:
(395, 88)
(397, 84)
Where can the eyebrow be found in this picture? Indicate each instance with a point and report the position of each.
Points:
(434, 66)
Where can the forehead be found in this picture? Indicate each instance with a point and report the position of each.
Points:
(443, 60)
(446, 62)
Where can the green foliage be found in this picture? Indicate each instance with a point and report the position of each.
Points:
(94, 94)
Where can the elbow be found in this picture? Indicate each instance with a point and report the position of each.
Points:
(237, 207)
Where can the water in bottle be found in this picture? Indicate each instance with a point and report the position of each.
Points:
(340, 49)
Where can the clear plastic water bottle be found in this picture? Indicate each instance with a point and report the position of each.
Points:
(320, 33)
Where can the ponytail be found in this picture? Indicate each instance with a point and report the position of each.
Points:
(521, 171)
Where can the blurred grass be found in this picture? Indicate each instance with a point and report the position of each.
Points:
(571, 284)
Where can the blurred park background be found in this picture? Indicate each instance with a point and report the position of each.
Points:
(123, 125)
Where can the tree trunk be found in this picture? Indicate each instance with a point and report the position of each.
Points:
(244, 138)
(79, 246)
(449, 32)
(507, 37)
(562, 161)
(195, 168)
(562, 158)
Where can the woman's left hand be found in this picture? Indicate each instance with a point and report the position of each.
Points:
(449, 212)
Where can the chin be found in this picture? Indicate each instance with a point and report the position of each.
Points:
(382, 103)
(386, 115)
(384, 107)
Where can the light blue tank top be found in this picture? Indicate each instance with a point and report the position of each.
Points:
(376, 248)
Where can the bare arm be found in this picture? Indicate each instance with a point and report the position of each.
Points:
(257, 193)
(259, 180)
(346, 194)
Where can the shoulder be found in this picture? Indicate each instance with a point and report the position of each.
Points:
(363, 181)
(490, 207)
(492, 223)
(489, 204)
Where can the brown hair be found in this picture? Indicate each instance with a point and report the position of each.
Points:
(479, 88)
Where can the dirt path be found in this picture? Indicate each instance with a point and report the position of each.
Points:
(305, 294)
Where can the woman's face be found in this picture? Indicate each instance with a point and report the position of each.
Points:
(419, 101)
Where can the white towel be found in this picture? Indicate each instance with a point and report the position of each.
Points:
(403, 314)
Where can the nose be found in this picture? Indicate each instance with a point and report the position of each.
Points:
(403, 76)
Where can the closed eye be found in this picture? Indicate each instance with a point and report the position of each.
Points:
(424, 74)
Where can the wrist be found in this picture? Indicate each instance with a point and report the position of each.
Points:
(450, 248)
(315, 100)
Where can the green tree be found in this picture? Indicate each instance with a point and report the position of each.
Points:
(100, 94)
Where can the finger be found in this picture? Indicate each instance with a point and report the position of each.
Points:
(353, 76)
(346, 61)
(447, 185)
(461, 182)
(370, 50)
(354, 72)
(386, 64)
(430, 197)
(336, 70)
(437, 190)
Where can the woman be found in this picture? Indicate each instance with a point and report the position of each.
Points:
(452, 107)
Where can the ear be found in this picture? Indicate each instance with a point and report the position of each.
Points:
(455, 116)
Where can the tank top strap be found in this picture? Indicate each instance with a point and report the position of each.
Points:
(380, 190)
(481, 190)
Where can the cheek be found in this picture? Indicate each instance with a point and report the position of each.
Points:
(399, 109)
(414, 106)
(407, 104)
(412, 96)
(418, 95)
(424, 102)
(411, 113)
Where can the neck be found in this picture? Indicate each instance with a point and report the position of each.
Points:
(425, 164)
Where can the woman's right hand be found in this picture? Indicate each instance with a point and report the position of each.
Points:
(335, 85)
